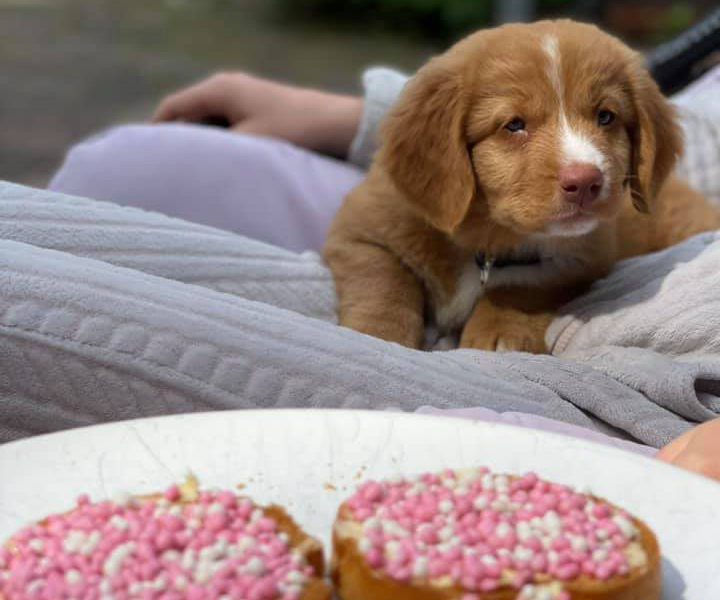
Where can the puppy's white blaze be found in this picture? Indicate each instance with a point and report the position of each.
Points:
(552, 49)
(468, 289)
(578, 149)
(575, 148)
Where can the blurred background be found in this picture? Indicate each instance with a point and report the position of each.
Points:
(71, 67)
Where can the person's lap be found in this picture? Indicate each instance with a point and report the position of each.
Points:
(263, 188)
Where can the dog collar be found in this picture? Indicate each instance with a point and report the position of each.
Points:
(487, 262)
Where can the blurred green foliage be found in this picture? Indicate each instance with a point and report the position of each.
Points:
(441, 19)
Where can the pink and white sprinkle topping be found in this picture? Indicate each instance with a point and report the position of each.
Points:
(481, 531)
(218, 546)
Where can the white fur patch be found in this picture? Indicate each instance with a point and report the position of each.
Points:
(578, 149)
(468, 289)
(575, 147)
(552, 49)
(571, 229)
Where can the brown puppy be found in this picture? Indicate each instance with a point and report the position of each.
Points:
(516, 169)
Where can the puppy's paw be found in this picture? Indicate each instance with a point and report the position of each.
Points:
(506, 330)
(504, 341)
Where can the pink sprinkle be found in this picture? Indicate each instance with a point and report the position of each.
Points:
(172, 494)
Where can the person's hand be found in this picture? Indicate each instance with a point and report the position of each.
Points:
(313, 119)
(696, 450)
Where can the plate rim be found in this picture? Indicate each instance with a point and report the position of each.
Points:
(667, 469)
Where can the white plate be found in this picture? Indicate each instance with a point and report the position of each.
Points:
(309, 460)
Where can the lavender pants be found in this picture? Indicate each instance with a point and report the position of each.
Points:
(261, 188)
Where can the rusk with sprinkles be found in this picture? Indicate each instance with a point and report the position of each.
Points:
(184, 544)
(475, 535)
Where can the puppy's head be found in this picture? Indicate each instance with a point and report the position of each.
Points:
(546, 125)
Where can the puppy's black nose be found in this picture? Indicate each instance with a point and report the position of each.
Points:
(581, 183)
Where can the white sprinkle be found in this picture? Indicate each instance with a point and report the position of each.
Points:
(488, 559)
(502, 483)
(394, 529)
(170, 555)
(445, 534)
(119, 522)
(523, 531)
(91, 543)
(255, 566)
(625, 526)
(480, 503)
(36, 545)
(216, 508)
(365, 545)
(599, 555)
(73, 541)
(523, 554)
(578, 543)
(73, 577)
(420, 567)
(295, 578)
(503, 530)
(416, 489)
(113, 563)
(245, 543)
(392, 549)
(446, 506)
(188, 559)
(552, 520)
(501, 504)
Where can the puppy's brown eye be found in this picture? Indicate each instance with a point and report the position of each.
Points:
(605, 117)
(517, 124)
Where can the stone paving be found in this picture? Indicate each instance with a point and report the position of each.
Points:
(71, 67)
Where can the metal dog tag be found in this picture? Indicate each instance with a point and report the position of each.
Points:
(485, 263)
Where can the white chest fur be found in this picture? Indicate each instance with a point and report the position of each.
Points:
(470, 286)
(468, 289)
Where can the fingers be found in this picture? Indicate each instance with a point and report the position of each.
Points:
(697, 450)
(209, 98)
(670, 452)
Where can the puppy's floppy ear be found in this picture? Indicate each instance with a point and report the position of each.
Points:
(424, 146)
(656, 140)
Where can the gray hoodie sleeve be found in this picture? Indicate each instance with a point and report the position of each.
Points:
(382, 87)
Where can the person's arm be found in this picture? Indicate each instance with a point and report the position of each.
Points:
(320, 121)
(697, 450)
(335, 124)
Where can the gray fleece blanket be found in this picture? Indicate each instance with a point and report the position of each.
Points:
(108, 313)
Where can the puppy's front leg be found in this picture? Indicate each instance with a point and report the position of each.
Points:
(377, 294)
